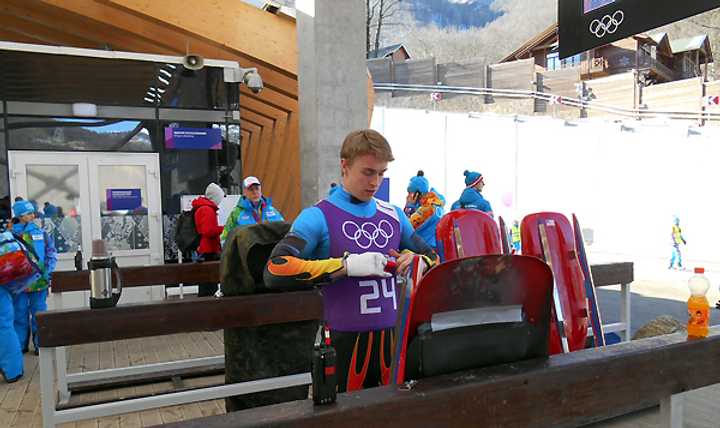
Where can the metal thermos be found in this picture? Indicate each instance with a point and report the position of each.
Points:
(102, 269)
(78, 260)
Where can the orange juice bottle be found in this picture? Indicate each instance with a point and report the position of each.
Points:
(698, 306)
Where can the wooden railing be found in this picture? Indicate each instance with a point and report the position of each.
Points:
(566, 390)
(58, 329)
(137, 276)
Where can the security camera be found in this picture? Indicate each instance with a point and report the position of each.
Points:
(253, 81)
(247, 76)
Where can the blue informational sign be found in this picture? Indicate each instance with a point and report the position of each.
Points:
(123, 199)
(193, 138)
(384, 192)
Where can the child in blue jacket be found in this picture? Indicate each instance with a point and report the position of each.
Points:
(27, 304)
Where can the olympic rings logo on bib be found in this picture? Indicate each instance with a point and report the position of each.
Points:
(368, 233)
(607, 24)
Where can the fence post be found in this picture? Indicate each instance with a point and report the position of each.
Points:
(392, 74)
(488, 83)
(703, 106)
(540, 105)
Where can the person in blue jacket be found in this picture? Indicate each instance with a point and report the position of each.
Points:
(34, 299)
(11, 359)
(424, 206)
(471, 196)
(252, 208)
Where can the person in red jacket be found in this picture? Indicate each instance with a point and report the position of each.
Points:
(206, 224)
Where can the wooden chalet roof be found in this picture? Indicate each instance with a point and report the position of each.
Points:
(547, 36)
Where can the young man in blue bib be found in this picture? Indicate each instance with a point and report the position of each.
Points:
(343, 243)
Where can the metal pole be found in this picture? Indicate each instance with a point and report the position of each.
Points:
(625, 310)
(47, 386)
(61, 369)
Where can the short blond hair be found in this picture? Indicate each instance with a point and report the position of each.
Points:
(366, 142)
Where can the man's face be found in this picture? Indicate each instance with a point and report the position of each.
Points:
(362, 177)
(253, 193)
(26, 218)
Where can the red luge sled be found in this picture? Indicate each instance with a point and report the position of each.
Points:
(567, 272)
(465, 233)
(461, 314)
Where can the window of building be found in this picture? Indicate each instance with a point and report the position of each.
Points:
(70, 134)
(555, 63)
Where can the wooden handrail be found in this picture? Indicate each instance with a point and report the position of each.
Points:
(137, 276)
(78, 326)
(193, 273)
(612, 273)
(565, 390)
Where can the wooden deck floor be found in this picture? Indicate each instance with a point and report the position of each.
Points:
(20, 402)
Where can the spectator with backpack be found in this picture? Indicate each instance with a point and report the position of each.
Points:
(34, 297)
(18, 268)
(424, 206)
(204, 210)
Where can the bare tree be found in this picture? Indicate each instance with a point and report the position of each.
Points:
(380, 14)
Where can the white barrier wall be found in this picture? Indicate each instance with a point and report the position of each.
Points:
(625, 181)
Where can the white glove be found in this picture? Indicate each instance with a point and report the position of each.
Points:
(366, 264)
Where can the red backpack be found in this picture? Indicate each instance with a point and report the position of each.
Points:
(18, 263)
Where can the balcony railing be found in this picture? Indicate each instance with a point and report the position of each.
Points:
(628, 61)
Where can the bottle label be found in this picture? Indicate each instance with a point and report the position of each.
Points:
(698, 320)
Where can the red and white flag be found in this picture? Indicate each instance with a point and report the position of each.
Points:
(712, 100)
(436, 96)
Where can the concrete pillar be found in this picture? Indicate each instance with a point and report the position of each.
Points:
(332, 79)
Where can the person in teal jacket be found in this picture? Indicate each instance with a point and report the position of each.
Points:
(252, 208)
(471, 197)
(34, 299)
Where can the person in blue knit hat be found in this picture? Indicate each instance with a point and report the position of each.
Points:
(424, 206)
(471, 197)
(34, 299)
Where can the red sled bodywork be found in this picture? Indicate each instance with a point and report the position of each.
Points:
(465, 233)
(473, 282)
(568, 274)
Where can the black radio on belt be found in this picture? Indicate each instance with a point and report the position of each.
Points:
(324, 379)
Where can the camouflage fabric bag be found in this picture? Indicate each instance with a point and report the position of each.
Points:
(260, 352)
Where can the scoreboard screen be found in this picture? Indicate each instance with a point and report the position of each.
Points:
(587, 24)
(590, 5)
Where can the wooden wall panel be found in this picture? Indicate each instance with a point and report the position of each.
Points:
(163, 38)
(512, 75)
(558, 82)
(616, 91)
(268, 38)
(681, 95)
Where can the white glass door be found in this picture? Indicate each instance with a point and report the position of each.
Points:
(57, 184)
(88, 196)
